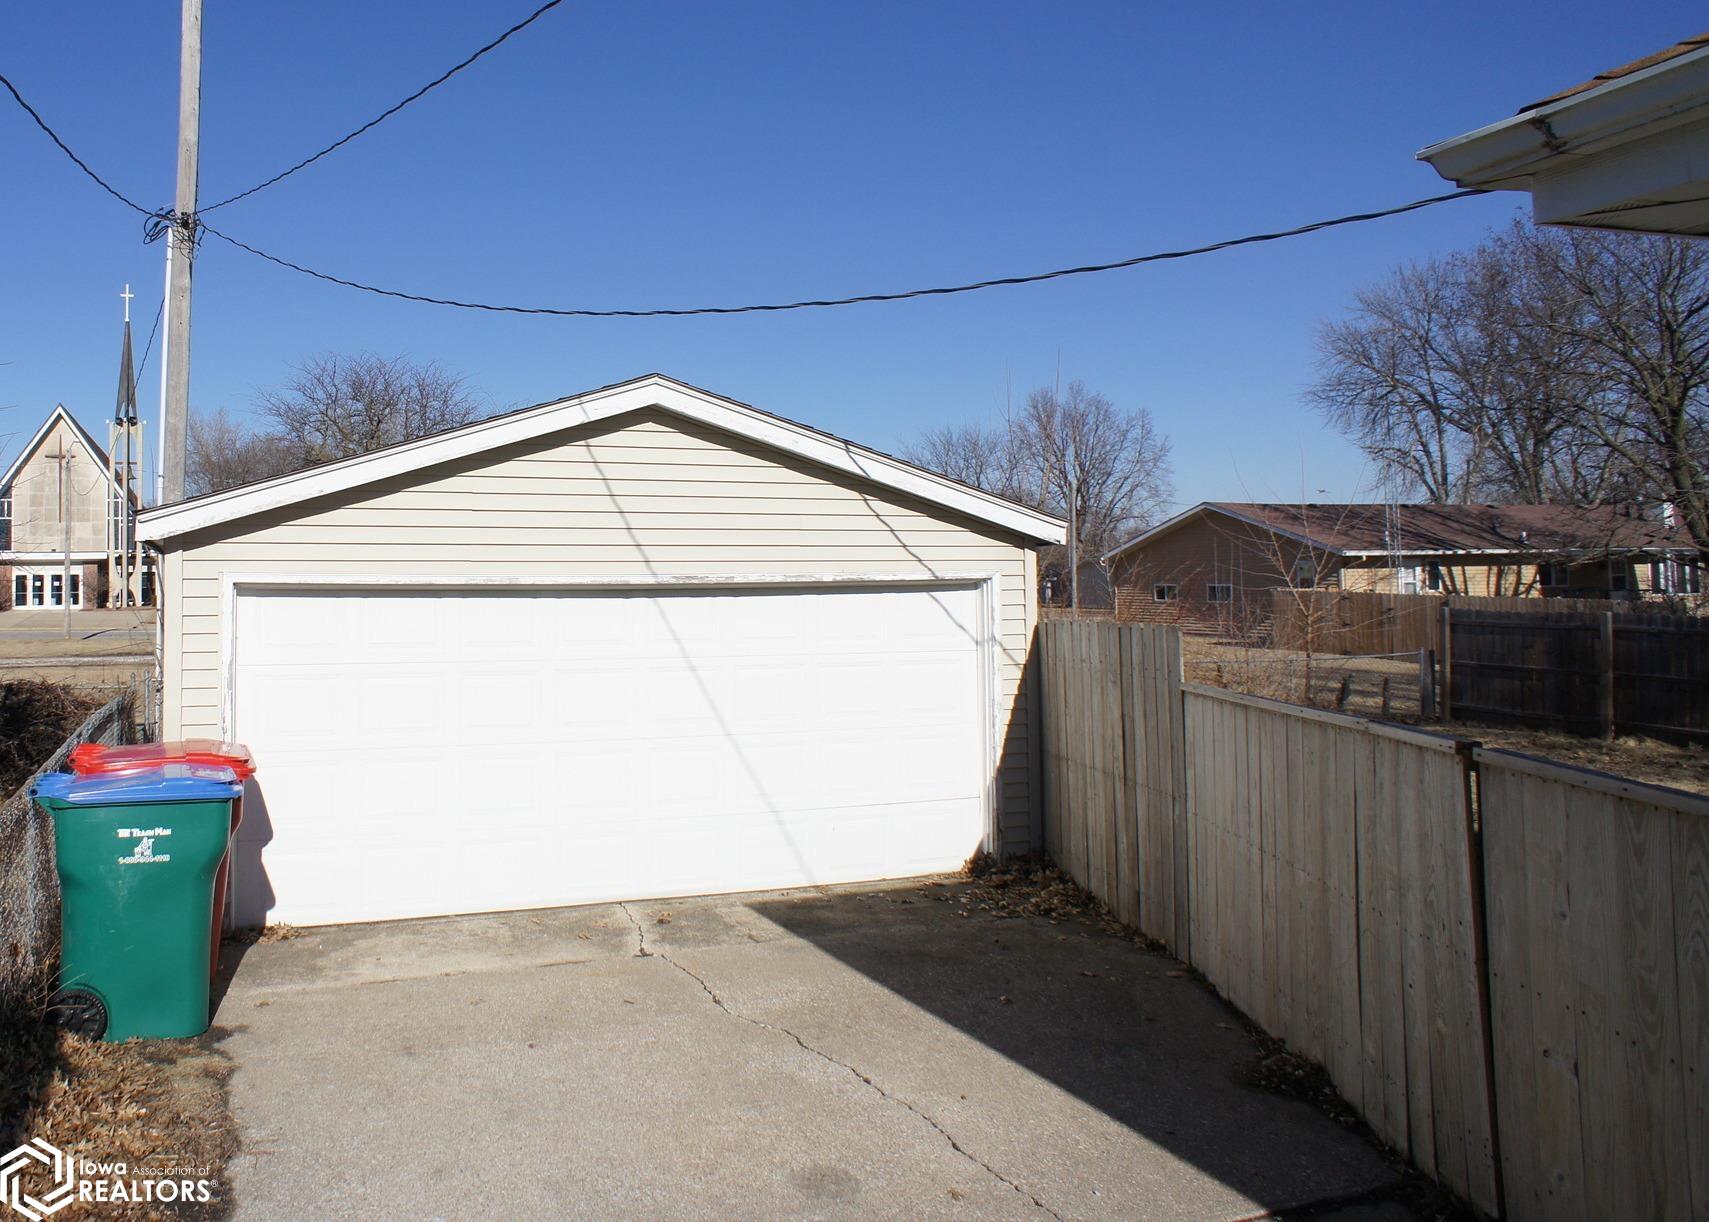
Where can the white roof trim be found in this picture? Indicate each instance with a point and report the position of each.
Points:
(59, 411)
(1505, 154)
(1210, 507)
(653, 391)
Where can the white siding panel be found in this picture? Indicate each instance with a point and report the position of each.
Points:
(650, 496)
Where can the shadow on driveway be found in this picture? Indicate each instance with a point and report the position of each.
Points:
(1123, 1030)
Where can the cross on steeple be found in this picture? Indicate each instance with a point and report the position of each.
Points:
(127, 295)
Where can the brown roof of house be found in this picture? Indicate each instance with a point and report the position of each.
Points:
(1427, 529)
(1613, 74)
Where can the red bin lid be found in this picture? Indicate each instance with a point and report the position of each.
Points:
(93, 758)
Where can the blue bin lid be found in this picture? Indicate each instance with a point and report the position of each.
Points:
(173, 783)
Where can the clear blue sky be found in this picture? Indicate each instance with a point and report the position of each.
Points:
(675, 154)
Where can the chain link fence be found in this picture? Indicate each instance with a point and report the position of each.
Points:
(29, 887)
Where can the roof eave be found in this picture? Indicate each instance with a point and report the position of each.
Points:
(1507, 154)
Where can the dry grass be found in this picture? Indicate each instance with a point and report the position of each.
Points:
(1354, 685)
(1640, 759)
(1366, 687)
(106, 646)
(35, 718)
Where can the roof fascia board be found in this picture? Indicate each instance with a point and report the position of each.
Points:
(167, 521)
(1504, 154)
(1208, 507)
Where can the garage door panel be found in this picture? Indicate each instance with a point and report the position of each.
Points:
(455, 751)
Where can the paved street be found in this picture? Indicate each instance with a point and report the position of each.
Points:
(854, 1052)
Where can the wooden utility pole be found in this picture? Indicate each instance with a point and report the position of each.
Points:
(181, 253)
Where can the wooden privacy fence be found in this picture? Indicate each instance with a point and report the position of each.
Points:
(1329, 875)
(1115, 787)
(1586, 674)
(1331, 902)
(1599, 987)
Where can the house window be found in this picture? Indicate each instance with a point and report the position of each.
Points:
(1305, 571)
(1219, 592)
(20, 591)
(1688, 578)
(1552, 575)
(1433, 575)
(1619, 577)
(1165, 594)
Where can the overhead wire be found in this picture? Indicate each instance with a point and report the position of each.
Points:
(66, 149)
(149, 347)
(157, 222)
(390, 111)
(859, 299)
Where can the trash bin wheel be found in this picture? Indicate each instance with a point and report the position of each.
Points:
(80, 1012)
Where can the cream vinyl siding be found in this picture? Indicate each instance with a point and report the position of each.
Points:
(646, 495)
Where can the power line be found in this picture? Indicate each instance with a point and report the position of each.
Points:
(158, 221)
(159, 310)
(66, 149)
(386, 114)
(862, 299)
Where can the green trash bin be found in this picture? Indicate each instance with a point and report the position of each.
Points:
(136, 857)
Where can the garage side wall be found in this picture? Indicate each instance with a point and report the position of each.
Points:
(652, 496)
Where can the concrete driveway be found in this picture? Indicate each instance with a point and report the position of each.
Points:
(855, 1051)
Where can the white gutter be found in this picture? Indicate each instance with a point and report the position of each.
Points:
(1505, 155)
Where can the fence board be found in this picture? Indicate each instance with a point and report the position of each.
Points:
(1691, 957)
(1597, 971)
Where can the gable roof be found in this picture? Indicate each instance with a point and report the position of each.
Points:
(652, 391)
(1358, 530)
(59, 412)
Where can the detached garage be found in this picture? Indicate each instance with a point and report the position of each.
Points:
(641, 642)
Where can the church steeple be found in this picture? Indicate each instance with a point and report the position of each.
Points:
(125, 560)
(125, 412)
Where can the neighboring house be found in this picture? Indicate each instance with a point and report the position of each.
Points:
(1217, 562)
(644, 641)
(1624, 150)
(58, 499)
(1096, 592)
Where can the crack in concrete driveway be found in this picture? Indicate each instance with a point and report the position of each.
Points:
(468, 1078)
(641, 952)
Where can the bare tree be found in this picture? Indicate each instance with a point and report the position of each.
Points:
(224, 452)
(1075, 450)
(990, 458)
(339, 406)
(1111, 463)
(1473, 377)
(1642, 324)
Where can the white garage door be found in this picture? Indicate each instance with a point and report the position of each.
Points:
(429, 752)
